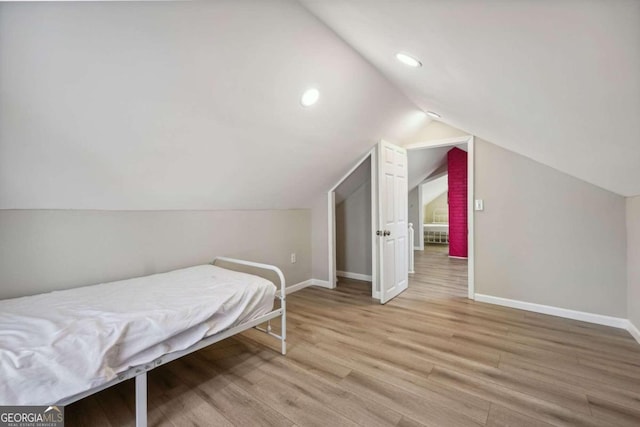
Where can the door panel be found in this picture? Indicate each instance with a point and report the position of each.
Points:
(392, 220)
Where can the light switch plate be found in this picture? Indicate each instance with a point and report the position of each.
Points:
(479, 205)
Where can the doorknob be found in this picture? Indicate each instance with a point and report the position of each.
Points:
(386, 233)
(379, 233)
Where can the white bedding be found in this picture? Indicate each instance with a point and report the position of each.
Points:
(58, 344)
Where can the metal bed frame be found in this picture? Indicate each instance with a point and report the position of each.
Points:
(140, 372)
(440, 216)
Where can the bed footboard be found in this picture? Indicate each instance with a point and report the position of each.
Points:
(268, 272)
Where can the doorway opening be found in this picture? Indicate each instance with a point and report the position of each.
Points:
(390, 223)
(441, 206)
(351, 226)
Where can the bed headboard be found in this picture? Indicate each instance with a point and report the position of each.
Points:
(441, 216)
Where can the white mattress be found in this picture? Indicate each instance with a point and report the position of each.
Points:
(58, 344)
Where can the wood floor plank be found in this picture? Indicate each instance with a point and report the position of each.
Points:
(86, 412)
(428, 357)
(527, 404)
(365, 412)
(615, 414)
(590, 386)
(189, 409)
(499, 416)
(240, 407)
(422, 410)
(418, 384)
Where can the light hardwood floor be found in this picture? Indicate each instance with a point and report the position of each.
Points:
(429, 357)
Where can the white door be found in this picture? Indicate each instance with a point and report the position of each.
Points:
(391, 235)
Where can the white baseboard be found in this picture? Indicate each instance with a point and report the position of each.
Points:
(321, 283)
(295, 288)
(633, 331)
(417, 248)
(616, 322)
(356, 276)
(311, 282)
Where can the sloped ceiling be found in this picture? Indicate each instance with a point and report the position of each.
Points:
(425, 163)
(433, 190)
(422, 163)
(557, 81)
(355, 180)
(188, 105)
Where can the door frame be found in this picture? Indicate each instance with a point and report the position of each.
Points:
(331, 220)
(420, 225)
(372, 154)
(469, 140)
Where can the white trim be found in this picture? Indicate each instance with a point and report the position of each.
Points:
(471, 195)
(356, 276)
(616, 322)
(420, 217)
(331, 216)
(331, 222)
(321, 283)
(445, 142)
(375, 283)
(352, 170)
(470, 141)
(295, 288)
(635, 333)
(417, 248)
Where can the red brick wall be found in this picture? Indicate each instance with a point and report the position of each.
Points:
(457, 164)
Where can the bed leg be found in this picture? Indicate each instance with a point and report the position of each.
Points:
(283, 333)
(141, 400)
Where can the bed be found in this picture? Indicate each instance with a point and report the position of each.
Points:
(437, 231)
(59, 347)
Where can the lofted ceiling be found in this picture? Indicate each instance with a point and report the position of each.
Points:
(184, 105)
(196, 105)
(422, 163)
(425, 163)
(355, 180)
(556, 81)
(433, 190)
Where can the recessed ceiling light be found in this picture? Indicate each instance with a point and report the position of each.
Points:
(434, 115)
(409, 60)
(309, 97)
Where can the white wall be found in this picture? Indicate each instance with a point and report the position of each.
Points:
(414, 214)
(545, 237)
(441, 202)
(44, 250)
(320, 238)
(633, 260)
(353, 232)
(162, 105)
(147, 106)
